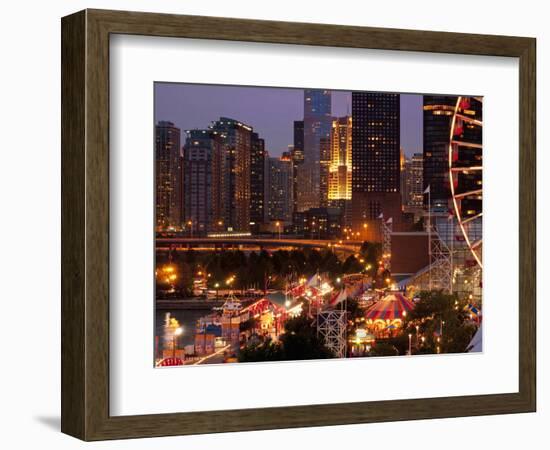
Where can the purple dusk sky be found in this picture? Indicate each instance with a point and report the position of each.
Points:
(270, 111)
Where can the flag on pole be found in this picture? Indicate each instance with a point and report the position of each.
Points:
(427, 190)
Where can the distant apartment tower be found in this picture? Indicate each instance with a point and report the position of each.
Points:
(299, 140)
(257, 181)
(297, 154)
(375, 159)
(279, 187)
(340, 167)
(324, 163)
(413, 185)
(198, 152)
(438, 114)
(168, 202)
(231, 172)
(467, 152)
(317, 125)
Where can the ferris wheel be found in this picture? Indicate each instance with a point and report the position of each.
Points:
(466, 173)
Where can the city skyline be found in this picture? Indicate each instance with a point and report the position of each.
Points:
(195, 106)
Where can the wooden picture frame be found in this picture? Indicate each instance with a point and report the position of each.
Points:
(85, 224)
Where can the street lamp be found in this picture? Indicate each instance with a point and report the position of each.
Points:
(190, 223)
(410, 344)
(217, 286)
(177, 332)
(278, 225)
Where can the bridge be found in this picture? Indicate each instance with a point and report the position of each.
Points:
(185, 243)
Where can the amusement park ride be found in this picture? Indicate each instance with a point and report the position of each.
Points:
(455, 237)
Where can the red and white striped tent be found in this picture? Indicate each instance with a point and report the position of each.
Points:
(393, 306)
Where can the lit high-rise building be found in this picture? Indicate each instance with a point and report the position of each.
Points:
(467, 152)
(297, 153)
(168, 202)
(257, 181)
(438, 114)
(375, 159)
(413, 186)
(299, 140)
(279, 186)
(340, 167)
(198, 151)
(324, 163)
(317, 125)
(231, 171)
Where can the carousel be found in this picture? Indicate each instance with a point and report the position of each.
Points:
(385, 318)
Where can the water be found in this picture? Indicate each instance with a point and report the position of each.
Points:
(187, 320)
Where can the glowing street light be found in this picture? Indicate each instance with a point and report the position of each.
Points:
(177, 332)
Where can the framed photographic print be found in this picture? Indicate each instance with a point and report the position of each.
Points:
(270, 225)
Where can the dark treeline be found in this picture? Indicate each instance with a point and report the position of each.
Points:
(263, 269)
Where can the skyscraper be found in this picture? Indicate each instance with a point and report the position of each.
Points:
(198, 151)
(413, 186)
(279, 186)
(324, 163)
(467, 152)
(233, 167)
(257, 180)
(340, 168)
(317, 125)
(375, 158)
(168, 202)
(299, 140)
(438, 114)
(297, 154)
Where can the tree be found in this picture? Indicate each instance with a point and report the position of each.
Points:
(353, 309)
(352, 265)
(266, 351)
(371, 253)
(383, 349)
(442, 322)
(299, 342)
